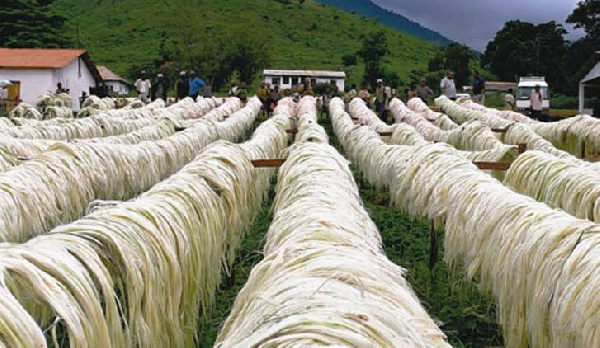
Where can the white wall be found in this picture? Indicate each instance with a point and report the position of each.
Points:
(33, 82)
(76, 77)
(269, 78)
(118, 87)
(37, 82)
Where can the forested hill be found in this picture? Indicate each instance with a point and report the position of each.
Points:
(127, 34)
(369, 9)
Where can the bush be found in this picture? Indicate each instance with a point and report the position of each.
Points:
(560, 101)
(319, 88)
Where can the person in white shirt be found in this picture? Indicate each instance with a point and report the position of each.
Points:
(143, 86)
(447, 86)
(509, 100)
(536, 100)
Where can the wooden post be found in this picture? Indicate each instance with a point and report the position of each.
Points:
(583, 149)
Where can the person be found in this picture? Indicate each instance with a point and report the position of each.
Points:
(160, 89)
(207, 89)
(478, 88)
(143, 86)
(408, 94)
(537, 104)
(196, 83)
(233, 89)
(394, 91)
(351, 93)
(509, 100)
(326, 100)
(387, 91)
(241, 92)
(447, 85)
(60, 89)
(82, 99)
(380, 99)
(423, 91)
(263, 96)
(306, 88)
(4, 97)
(274, 97)
(364, 94)
(183, 86)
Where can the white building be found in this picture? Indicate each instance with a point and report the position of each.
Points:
(40, 70)
(287, 79)
(115, 83)
(591, 79)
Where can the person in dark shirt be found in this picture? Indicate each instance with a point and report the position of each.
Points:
(242, 93)
(183, 86)
(274, 98)
(160, 88)
(478, 88)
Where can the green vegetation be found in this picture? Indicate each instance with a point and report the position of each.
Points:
(127, 35)
(31, 23)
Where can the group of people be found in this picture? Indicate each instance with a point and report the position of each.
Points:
(188, 85)
(448, 87)
(269, 97)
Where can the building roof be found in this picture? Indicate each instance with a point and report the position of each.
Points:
(37, 58)
(312, 73)
(44, 59)
(593, 74)
(108, 75)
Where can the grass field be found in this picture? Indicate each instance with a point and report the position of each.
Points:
(300, 36)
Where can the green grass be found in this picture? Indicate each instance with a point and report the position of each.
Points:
(122, 33)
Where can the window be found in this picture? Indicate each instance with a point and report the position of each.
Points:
(313, 82)
(286, 80)
(524, 93)
(295, 81)
(333, 82)
(275, 81)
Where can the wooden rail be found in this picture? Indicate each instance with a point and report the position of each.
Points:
(278, 162)
(268, 163)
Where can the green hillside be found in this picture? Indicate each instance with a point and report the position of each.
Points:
(125, 33)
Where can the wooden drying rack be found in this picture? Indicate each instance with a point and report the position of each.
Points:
(502, 166)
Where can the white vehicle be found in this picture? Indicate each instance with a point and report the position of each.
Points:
(526, 85)
(465, 96)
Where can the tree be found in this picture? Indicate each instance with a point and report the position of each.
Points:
(349, 60)
(457, 57)
(522, 49)
(31, 24)
(587, 16)
(374, 48)
(238, 50)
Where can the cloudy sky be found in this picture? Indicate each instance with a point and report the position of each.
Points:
(475, 22)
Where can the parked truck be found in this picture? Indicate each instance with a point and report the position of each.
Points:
(524, 89)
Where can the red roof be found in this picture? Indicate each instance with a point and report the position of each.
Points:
(37, 58)
(108, 75)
